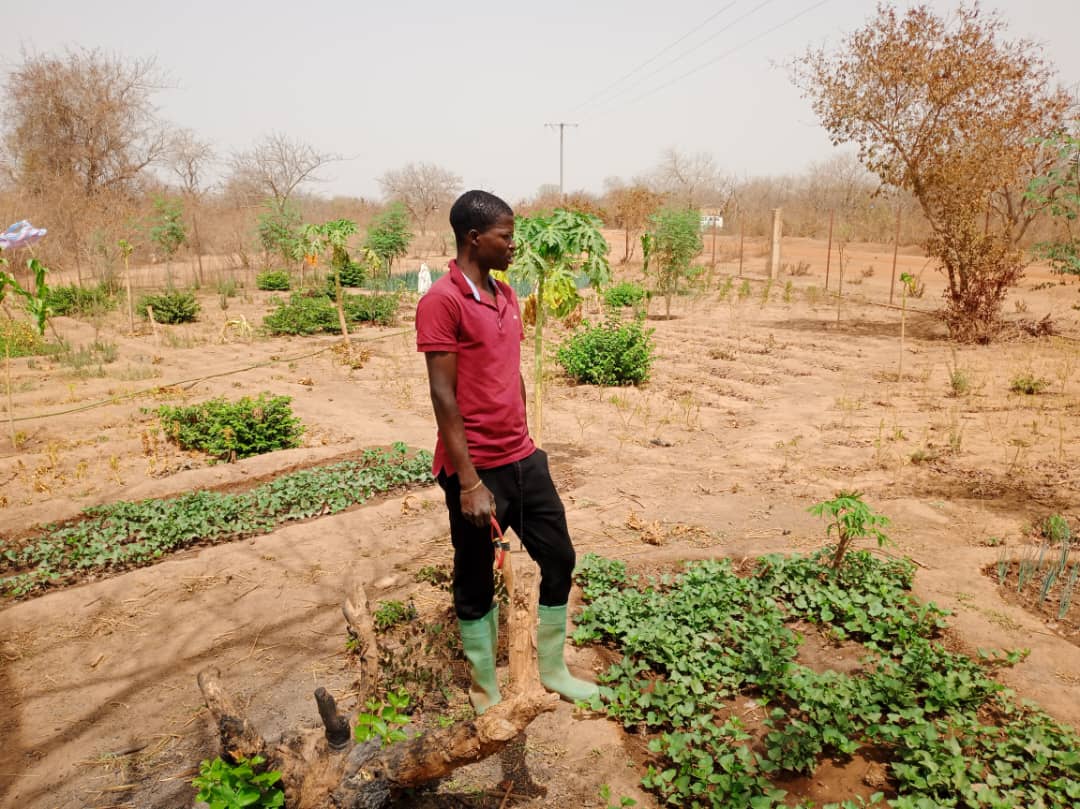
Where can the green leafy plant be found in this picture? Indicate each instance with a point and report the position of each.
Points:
(673, 243)
(624, 295)
(551, 251)
(608, 354)
(1055, 529)
(235, 786)
(605, 796)
(71, 300)
(171, 306)
(274, 280)
(116, 536)
(693, 640)
(852, 519)
(1058, 192)
(312, 314)
(391, 613)
(231, 430)
(279, 231)
(389, 235)
(1028, 384)
(167, 230)
(383, 720)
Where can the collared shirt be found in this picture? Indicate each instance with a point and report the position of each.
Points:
(486, 336)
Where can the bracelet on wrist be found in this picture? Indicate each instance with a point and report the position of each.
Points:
(473, 488)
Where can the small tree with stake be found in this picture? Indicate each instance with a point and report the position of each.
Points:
(673, 243)
(168, 231)
(389, 235)
(551, 250)
(852, 519)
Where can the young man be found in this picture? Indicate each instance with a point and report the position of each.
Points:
(469, 328)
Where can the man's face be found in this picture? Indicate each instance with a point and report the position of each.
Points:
(495, 246)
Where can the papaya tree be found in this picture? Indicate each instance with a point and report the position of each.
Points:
(551, 251)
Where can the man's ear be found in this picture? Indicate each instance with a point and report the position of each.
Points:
(472, 236)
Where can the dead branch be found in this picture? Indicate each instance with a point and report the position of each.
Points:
(321, 767)
(357, 613)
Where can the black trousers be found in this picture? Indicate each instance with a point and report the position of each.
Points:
(526, 501)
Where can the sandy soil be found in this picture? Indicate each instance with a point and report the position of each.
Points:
(755, 410)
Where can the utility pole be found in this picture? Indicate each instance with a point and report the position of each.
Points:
(561, 127)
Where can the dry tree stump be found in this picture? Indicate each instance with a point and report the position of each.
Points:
(323, 767)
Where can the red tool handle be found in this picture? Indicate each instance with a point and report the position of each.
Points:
(500, 543)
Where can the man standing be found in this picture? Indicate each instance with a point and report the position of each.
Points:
(469, 328)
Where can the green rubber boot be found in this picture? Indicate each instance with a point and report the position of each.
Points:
(478, 639)
(550, 642)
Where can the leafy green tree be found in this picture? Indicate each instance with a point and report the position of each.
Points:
(389, 234)
(551, 250)
(279, 231)
(673, 243)
(1058, 190)
(167, 230)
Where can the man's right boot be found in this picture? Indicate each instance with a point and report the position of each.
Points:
(479, 639)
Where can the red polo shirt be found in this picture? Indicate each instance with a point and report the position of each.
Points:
(487, 338)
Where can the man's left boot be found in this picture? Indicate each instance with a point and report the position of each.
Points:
(550, 643)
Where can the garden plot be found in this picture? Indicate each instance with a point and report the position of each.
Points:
(675, 469)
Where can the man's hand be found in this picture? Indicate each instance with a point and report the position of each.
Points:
(478, 505)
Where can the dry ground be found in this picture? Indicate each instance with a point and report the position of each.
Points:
(755, 410)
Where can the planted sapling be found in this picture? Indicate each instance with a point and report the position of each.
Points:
(852, 519)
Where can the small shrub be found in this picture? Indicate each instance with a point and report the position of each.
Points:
(311, 314)
(959, 383)
(800, 269)
(19, 339)
(868, 272)
(230, 430)
(379, 309)
(73, 301)
(353, 274)
(608, 354)
(1055, 529)
(1028, 384)
(302, 314)
(227, 287)
(274, 280)
(624, 294)
(170, 307)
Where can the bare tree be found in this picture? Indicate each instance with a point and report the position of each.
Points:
(630, 207)
(275, 166)
(188, 158)
(423, 188)
(79, 131)
(691, 180)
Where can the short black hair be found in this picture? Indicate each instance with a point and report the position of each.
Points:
(476, 210)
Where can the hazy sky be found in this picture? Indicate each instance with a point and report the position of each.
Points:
(470, 86)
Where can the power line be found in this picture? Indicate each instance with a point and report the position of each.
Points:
(701, 44)
(654, 57)
(730, 51)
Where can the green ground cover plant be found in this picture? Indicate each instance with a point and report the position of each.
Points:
(230, 430)
(314, 314)
(274, 280)
(223, 785)
(126, 534)
(172, 306)
(611, 353)
(691, 642)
